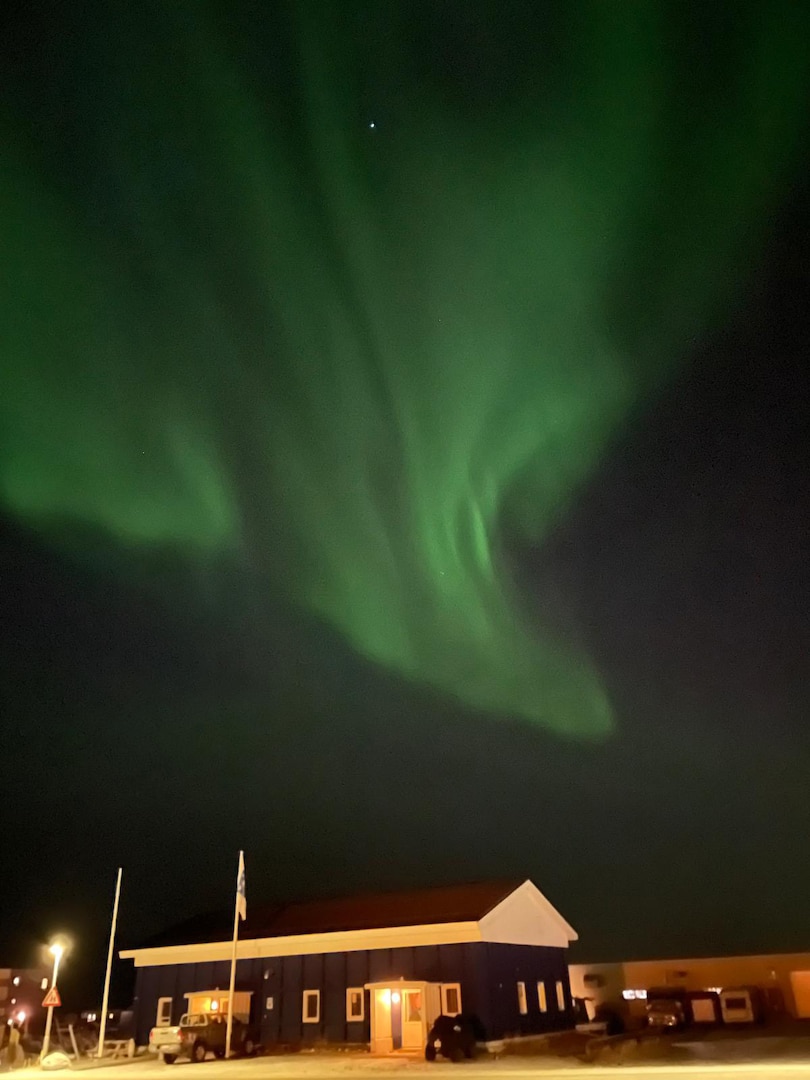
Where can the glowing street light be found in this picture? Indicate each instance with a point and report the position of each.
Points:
(57, 951)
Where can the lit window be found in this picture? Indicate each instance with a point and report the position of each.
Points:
(634, 995)
(521, 993)
(355, 1003)
(560, 997)
(451, 999)
(541, 997)
(413, 1006)
(311, 1011)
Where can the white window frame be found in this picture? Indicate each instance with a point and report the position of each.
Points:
(161, 1020)
(451, 986)
(560, 995)
(542, 997)
(350, 992)
(305, 998)
(523, 1005)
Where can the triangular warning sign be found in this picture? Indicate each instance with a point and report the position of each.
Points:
(51, 998)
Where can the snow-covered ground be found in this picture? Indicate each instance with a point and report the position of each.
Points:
(360, 1066)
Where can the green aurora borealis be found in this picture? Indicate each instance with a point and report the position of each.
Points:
(241, 324)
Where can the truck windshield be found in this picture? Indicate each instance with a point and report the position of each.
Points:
(193, 1020)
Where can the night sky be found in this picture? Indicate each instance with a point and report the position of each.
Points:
(404, 462)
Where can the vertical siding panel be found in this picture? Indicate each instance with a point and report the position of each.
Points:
(400, 964)
(333, 998)
(451, 959)
(254, 982)
(270, 987)
(357, 974)
(146, 995)
(313, 979)
(473, 985)
(291, 999)
(425, 963)
(379, 964)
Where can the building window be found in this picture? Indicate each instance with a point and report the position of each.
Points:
(560, 997)
(164, 1012)
(451, 999)
(634, 995)
(542, 1001)
(522, 1004)
(355, 1003)
(311, 1010)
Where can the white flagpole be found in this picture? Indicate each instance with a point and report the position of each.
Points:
(106, 996)
(229, 1030)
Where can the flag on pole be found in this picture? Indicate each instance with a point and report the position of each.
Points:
(241, 899)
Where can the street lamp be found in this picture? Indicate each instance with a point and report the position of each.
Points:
(57, 951)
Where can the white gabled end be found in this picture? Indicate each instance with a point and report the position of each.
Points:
(526, 917)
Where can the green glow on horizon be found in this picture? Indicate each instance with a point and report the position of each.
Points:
(241, 325)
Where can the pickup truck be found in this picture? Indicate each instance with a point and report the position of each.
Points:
(199, 1033)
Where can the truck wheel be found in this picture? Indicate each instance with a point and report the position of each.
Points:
(248, 1047)
(199, 1052)
(219, 1053)
(170, 1058)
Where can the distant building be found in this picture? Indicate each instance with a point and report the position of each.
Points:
(783, 978)
(374, 969)
(21, 994)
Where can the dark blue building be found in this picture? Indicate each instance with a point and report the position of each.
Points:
(373, 970)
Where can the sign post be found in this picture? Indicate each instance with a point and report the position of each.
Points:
(51, 1000)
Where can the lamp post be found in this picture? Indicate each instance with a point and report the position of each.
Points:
(57, 952)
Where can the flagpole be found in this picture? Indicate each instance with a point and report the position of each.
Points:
(106, 996)
(229, 1031)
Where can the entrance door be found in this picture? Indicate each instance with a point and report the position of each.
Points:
(413, 1020)
(382, 1041)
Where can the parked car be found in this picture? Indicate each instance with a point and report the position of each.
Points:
(666, 1013)
(454, 1037)
(197, 1034)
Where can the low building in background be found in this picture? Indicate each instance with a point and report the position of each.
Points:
(782, 979)
(374, 969)
(21, 994)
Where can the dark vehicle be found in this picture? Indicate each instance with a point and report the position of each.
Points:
(197, 1034)
(454, 1037)
(666, 1013)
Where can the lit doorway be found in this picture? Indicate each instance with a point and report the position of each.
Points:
(402, 1013)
